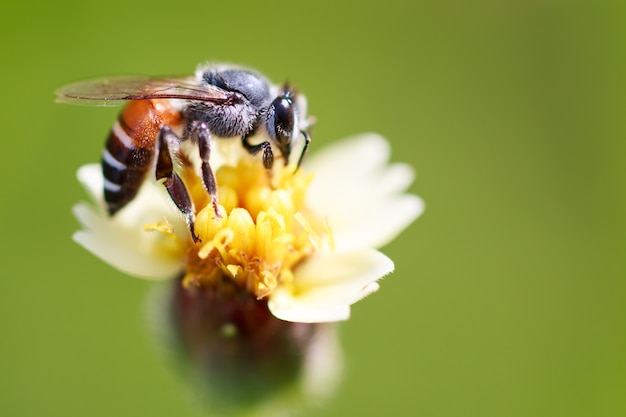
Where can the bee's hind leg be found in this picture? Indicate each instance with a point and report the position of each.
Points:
(175, 186)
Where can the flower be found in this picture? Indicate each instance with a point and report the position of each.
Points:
(304, 243)
(252, 301)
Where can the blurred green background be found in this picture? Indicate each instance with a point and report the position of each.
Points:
(510, 294)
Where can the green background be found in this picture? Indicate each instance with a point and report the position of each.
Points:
(510, 295)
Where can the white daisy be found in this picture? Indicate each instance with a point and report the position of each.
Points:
(302, 241)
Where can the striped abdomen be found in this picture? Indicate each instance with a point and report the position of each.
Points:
(130, 149)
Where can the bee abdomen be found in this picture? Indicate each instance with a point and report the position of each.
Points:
(125, 164)
(130, 148)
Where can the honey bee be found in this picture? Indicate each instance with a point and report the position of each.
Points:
(219, 101)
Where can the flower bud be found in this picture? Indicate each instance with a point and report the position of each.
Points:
(240, 359)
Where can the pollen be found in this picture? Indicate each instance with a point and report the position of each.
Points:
(263, 231)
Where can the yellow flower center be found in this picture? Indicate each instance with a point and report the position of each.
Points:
(264, 229)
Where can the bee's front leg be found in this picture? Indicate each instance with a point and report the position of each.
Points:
(268, 154)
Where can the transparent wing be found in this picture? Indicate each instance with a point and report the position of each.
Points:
(114, 91)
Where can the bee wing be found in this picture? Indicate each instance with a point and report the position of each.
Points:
(114, 91)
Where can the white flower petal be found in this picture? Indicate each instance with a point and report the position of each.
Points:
(125, 249)
(360, 195)
(283, 306)
(121, 240)
(90, 177)
(327, 284)
(359, 153)
(384, 222)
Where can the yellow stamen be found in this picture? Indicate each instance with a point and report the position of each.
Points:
(163, 226)
(264, 229)
(171, 244)
(313, 237)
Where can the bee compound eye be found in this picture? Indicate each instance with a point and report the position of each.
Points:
(282, 118)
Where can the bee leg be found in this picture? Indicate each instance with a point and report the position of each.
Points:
(307, 141)
(208, 177)
(173, 183)
(268, 155)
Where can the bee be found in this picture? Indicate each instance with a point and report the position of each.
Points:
(218, 101)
